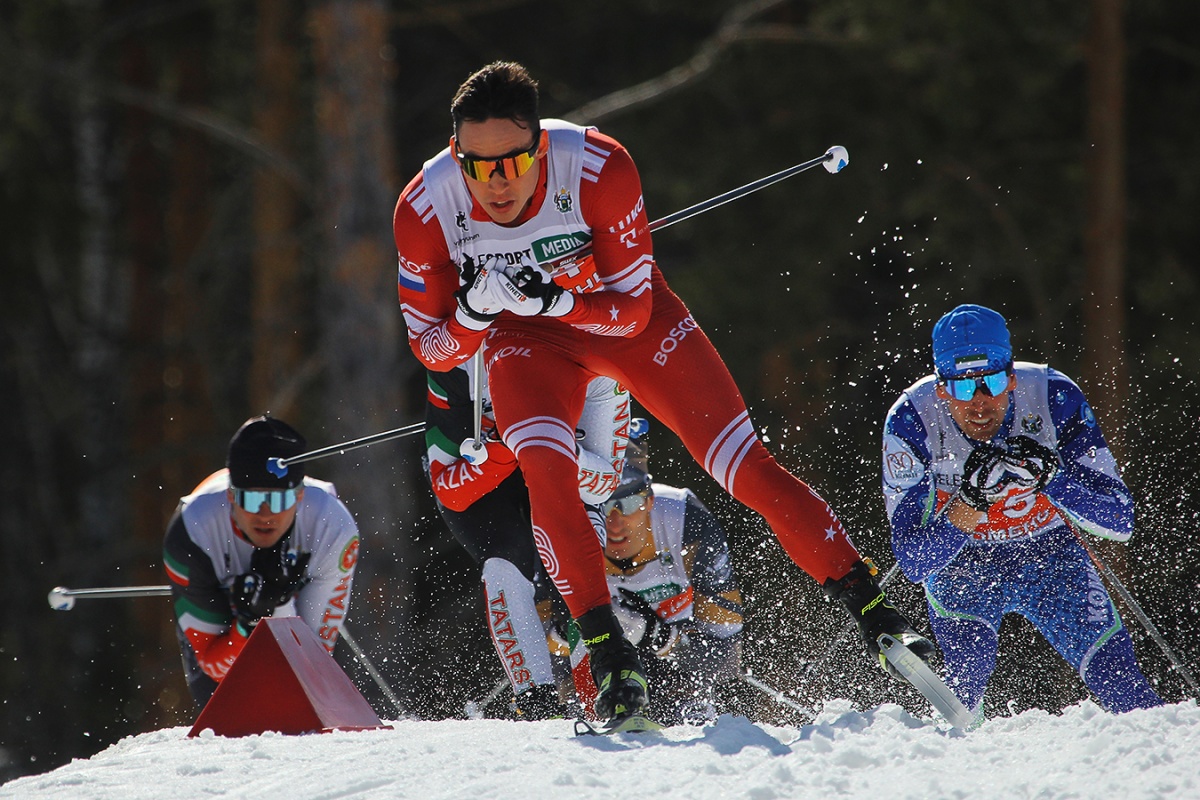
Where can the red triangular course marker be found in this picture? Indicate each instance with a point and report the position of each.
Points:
(285, 680)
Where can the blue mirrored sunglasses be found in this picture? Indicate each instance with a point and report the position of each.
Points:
(276, 499)
(992, 384)
(626, 505)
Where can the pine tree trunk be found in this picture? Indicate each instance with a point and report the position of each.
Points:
(280, 319)
(1105, 371)
(360, 333)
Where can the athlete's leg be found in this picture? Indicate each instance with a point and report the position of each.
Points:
(537, 396)
(969, 645)
(515, 626)
(1114, 676)
(495, 531)
(1073, 610)
(602, 433)
(497, 526)
(675, 372)
(967, 600)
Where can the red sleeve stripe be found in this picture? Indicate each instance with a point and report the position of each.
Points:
(175, 576)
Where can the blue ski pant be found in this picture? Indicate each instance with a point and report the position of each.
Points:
(1049, 580)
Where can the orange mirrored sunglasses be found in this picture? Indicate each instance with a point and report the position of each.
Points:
(510, 166)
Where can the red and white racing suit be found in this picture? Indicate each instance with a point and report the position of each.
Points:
(626, 323)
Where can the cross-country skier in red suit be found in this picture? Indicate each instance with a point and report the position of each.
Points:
(473, 230)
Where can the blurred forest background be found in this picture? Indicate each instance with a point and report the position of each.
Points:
(195, 227)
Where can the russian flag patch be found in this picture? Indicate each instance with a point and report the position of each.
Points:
(409, 278)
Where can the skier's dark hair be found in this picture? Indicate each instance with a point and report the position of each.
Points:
(501, 90)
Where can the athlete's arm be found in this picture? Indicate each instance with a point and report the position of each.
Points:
(1087, 485)
(622, 254)
(325, 600)
(923, 539)
(440, 333)
(202, 607)
(717, 602)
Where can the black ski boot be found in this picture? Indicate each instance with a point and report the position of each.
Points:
(616, 668)
(540, 702)
(876, 615)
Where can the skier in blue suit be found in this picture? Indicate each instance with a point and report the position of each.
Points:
(991, 469)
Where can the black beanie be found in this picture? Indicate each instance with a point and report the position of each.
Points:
(260, 439)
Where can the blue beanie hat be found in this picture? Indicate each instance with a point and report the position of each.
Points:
(970, 339)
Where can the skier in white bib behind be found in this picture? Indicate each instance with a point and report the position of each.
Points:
(673, 590)
(990, 470)
(247, 544)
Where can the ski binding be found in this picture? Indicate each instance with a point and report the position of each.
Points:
(926, 681)
(622, 723)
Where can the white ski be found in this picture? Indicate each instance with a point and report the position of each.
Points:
(925, 681)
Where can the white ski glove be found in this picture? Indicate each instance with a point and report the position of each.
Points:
(512, 297)
(552, 299)
(482, 299)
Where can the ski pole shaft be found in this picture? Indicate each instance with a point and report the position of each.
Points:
(846, 630)
(278, 466)
(834, 160)
(477, 367)
(474, 709)
(361, 655)
(750, 188)
(63, 599)
(775, 694)
(1131, 603)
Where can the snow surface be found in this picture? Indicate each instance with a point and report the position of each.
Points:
(885, 753)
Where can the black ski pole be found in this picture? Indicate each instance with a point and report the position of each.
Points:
(278, 466)
(1133, 605)
(834, 160)
(63, 599)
